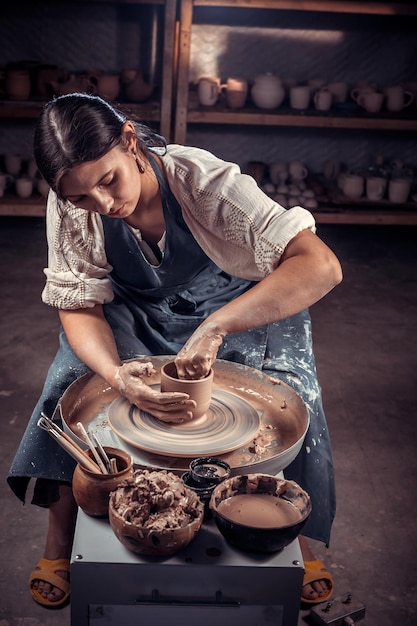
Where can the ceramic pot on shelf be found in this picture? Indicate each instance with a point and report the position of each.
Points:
(18, 84)
(108, 86)
(136, 88)
(268, 91)
(74, 83)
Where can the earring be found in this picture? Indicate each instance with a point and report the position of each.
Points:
(139, 164)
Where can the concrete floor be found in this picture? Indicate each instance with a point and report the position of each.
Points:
(365, 343)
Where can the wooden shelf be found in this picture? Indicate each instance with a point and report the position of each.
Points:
(31, 207)
(284, 116)
(331, 6)
(30, 109)
(157, 110)
(188, 110)
(376, 216)
(35, 207)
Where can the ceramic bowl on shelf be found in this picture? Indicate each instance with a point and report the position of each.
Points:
(259, 512)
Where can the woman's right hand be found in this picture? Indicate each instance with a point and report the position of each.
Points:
(173, 407)
(196, 357)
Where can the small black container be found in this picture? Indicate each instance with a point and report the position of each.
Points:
(209, 471)
(203, 491)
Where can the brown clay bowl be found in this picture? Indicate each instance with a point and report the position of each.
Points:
(259, 512)
(133, 532)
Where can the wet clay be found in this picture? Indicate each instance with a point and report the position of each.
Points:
(259, 510)
(273, 444)
(208, 470)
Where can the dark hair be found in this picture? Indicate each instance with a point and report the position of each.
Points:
(76, 128)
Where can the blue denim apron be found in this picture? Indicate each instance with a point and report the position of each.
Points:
(154, 311)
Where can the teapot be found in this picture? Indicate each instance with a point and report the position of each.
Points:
(267, 91)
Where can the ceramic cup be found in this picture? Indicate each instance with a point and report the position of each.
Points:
(257, 169)
(361, 88)
(353, 186)
(300, 96)
(323, 100)
(339, 90)
(331, 169)
(236, 92)
(18, 84)
(399, 190)
(375, 188)
(371, 101)
(127, 75)
(13, 164)
(278, 172)
(396, 166)
(411, 85)
(208, 90)
(398, 98)
(198, 390)
(316, 83)
(5, 180)
(24, 187)
(297, 170)
(341, 180)
(32, 168)
(42, 187)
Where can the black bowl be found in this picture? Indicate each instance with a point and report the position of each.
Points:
(256, 531)
(209, 470)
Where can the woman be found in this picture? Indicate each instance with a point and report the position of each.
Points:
(157, 249)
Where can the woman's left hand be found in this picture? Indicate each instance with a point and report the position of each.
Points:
(195, 359)
(170, 406)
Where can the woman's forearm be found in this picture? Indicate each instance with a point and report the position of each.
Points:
(308, 271)
(92, 339)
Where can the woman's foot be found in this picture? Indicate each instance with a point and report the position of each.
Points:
(49, 582)
(59, 538)
(312, 592)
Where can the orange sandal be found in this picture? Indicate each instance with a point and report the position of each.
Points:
(46, 570)
(313, 572)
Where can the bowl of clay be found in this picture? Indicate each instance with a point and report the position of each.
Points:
(259, 512)
(154, 513)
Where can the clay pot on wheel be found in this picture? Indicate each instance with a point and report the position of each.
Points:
(198, 390)
(91, 491)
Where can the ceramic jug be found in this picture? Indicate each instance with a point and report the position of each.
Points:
(267, 91)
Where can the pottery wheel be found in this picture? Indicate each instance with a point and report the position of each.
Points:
(229, 423)
(278, 416)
